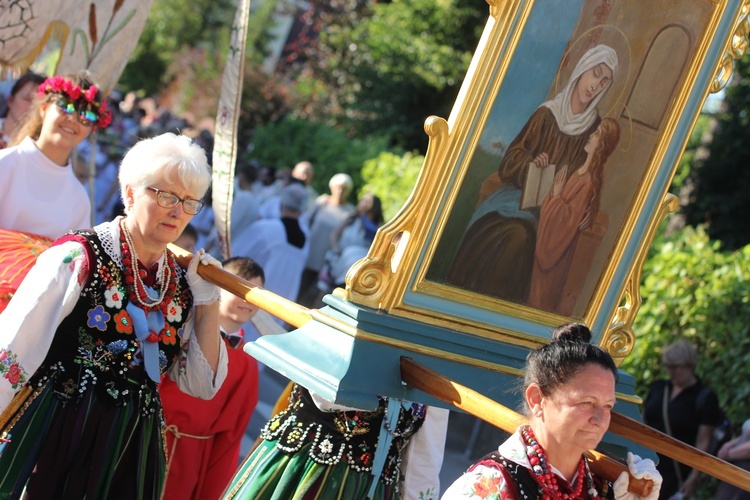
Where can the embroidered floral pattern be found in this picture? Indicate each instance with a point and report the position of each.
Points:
(11, 370)
(169, 335)
(487, 487)
(174, 312)
(349, 437)
(104, 355)
(429, 494)
(123, 323)
(113, 297)
(98, 318)
(77, 258)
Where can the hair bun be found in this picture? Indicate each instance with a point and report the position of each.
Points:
(572, 332)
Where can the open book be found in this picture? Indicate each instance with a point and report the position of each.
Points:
(539, 182)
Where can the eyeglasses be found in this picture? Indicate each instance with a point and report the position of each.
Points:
(87, 117)
(167, 199)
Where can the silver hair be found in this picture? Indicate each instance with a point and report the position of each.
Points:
(682, 352)
(342, 180)
(166, 157)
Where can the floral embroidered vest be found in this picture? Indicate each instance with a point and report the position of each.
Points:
(349, 436)
(526, 488)
(95, 347)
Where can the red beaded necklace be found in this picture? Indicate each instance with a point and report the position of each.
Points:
(547, 479)
(135, 287)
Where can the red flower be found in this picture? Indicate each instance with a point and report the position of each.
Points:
(169, 335)
(90, 93)
(60, 85)
(73, 90)
(104, 119)
(123, 323)
(14, 374)
(487, 486)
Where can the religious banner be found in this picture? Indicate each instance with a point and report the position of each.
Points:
(225, 140)
(98, 35)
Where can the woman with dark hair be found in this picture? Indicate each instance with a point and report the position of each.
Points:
(19, 101)
(569, 391)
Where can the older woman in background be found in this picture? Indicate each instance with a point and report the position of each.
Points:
(102, 314)
(683, 408)
(327, 214)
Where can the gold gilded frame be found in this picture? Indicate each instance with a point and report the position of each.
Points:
(393, 277)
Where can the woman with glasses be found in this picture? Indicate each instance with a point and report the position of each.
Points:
(683, 408)
(99, 318)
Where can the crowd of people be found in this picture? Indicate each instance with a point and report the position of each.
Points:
(122, 373)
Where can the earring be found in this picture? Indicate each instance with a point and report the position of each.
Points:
(539, 413)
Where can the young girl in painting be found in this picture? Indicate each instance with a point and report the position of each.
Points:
(568, 210)
(496, 254)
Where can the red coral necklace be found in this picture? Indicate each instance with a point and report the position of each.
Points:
(547, 479)
(134, 276)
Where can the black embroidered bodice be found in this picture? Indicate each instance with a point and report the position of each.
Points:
(349, 436)
(523, 481)
(95, 347)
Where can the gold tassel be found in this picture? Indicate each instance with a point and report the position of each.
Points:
(8, 416)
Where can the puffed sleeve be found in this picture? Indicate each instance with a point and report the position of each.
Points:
(424, 457)
(191, 372)
(46, 296)
(480, 483)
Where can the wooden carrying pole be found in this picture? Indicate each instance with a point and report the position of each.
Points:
(434, 384)
(466, 399)
(444, 389)
(291, 312)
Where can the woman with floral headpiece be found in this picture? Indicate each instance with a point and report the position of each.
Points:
(40, 197)
(39, 192)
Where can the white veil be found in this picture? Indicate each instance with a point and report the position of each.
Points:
(567, 121)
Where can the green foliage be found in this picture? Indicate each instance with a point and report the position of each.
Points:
(174, 25)
(283, 143)
(392, 178)
(692, 289)
(387, 66)
(695, 146)
(722, 180)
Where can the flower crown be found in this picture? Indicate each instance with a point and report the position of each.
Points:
(61, 85)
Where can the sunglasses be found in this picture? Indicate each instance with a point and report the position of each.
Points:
(87, 117)
(168, 200)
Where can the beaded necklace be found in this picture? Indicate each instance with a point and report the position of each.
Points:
(547, 479)
(413, 416)
(134, 277)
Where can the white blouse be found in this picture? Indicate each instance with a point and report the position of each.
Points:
(50, 292)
